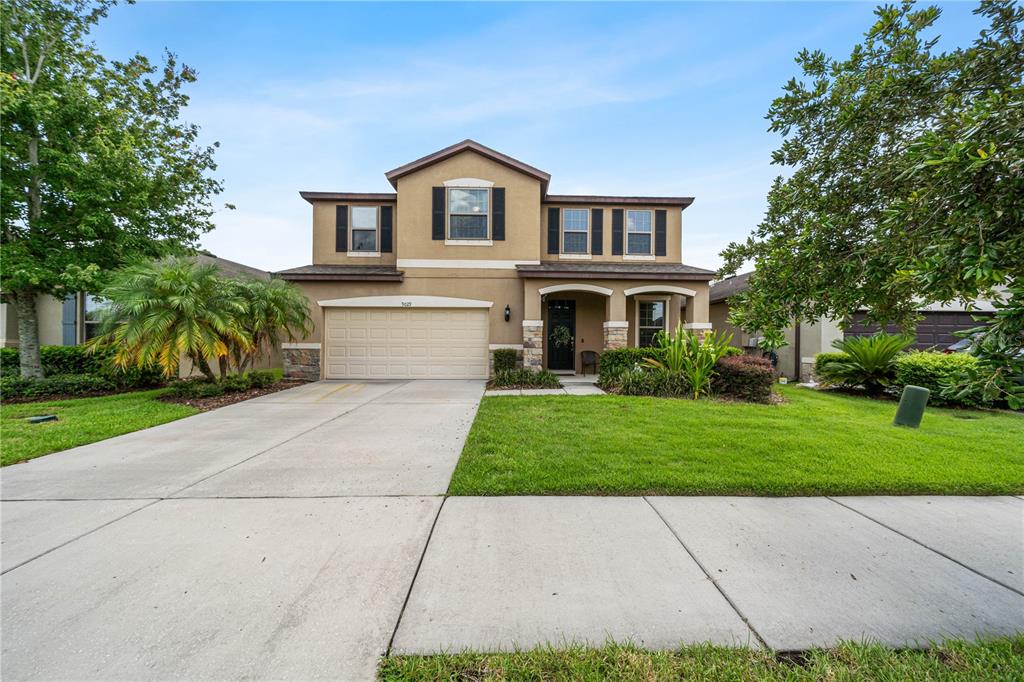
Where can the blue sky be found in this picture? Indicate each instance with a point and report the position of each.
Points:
(660, 99)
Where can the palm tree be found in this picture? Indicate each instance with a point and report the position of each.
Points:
(159, 311)
(273, 308)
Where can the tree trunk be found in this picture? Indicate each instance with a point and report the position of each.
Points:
(204, 367)
(28, 335)
(222, 363)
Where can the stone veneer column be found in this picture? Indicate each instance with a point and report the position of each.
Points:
(616, 335)
(533, 345)
(301, 360)
(701, 329)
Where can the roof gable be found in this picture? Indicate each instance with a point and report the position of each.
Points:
(468, 145)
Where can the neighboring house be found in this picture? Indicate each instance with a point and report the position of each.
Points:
(75, 319)
(471, 253)
(937, 328)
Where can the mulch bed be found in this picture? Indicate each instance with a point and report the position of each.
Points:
(55, 397)
(212, 403)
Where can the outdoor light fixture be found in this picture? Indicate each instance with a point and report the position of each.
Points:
(508, 313)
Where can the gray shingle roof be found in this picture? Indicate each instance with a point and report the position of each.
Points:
(729, 286)
(342, 272)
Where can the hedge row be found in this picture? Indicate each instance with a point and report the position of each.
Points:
(927, 369)
(201, 387)
(60, 385)
(738, 377)
(77, 360)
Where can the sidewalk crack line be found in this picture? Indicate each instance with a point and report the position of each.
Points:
(712, 579)
(931, 549)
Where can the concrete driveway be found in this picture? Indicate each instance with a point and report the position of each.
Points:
(303, 534)
(275, 538)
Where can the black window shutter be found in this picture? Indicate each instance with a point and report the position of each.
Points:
(437, 231)
(498, 214)
(660, 228)
(341, 228)
(553, 230)
(386, 228)
(69, 320)
(617, 231)
(597, 231)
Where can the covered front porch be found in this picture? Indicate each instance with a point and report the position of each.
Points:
(568, 324)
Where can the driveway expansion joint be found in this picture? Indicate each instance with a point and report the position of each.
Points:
(713, 580)
(415, 574)
(929, 548)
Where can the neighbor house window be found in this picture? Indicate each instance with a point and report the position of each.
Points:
(364, 228)
(467, 213)
(638, 232)
(650, 321)
(574, 230)
(93, 307)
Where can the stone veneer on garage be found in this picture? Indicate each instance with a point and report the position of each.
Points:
(301, 362)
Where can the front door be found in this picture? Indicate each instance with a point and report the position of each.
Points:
(561, 335)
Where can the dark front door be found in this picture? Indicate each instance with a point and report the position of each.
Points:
(561, 334)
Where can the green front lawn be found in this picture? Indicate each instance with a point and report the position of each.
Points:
(815, 444)
(80, 421)
(993, 661)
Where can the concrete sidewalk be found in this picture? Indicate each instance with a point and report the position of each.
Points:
(306, 533)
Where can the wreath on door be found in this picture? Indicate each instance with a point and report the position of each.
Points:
(560, 336)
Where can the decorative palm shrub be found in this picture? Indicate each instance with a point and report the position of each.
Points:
(162, 310)
(870, 361)
(687, 355)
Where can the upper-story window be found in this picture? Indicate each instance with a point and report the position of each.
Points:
(364, 229)
(468, 213)
(575, 226)
(638, 232)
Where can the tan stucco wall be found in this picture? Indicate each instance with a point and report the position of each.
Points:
(324, 219)
(673, 235)
(8, 325)
(719, 316)
(522, 211)
(502, 287)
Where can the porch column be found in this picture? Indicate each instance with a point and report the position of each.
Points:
(616, 327)
(533, 345)
(696, 317)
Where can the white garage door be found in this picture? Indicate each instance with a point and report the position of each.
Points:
(396, 343)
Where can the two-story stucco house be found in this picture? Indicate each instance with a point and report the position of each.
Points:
(471, 253)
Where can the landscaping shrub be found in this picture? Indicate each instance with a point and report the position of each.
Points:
(262, 378)
(936, 371)
(201, 387)
(732, 351)
(744, 377)
(691, 356)
(505, 359)
(17, 388)
(524, 378)
(61, 360)
(615, 362)
(822, 359)
(653, 381)
(868, 361)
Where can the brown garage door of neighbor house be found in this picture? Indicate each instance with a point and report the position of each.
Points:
(414, 343)
(936, 329)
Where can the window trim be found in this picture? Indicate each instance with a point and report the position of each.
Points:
(352, 229)
(666, 300)
(650, 250)
(461, 241)
(562, 253)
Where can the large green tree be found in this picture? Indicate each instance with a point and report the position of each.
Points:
(98, 168)
(905, 184)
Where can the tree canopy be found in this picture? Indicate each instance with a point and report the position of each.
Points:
(905, 181)
(98, 167)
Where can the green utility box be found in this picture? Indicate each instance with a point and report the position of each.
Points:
(911, 407)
